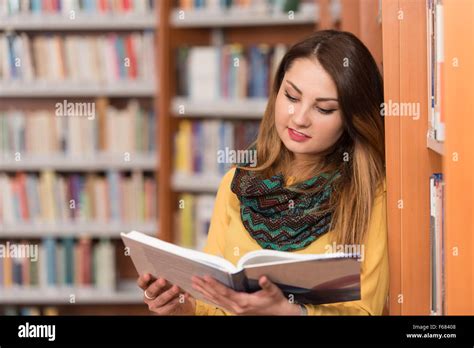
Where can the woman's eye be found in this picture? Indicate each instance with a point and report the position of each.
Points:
(321, 110)
(290, 98)
(325, 111)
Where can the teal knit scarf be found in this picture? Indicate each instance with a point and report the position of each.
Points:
(276, 216)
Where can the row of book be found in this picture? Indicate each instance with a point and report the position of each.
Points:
(228, 71)
(212, 146)
(29, 310)
(78, 129)
(192, 220)
(50, 197)
(101, 59)
(435, 69)
(437, 244)
(261, 6)
(64, 7)
(60, 263)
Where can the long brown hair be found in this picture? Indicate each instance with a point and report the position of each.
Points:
(359, 154)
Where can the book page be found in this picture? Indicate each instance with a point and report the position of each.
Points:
(260, 257)
(311, 281)
(197, 256)
(175, 268)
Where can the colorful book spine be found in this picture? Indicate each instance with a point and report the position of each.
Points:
(63, 7)
(193, 220)
(245, 6)
(65, 262)
(77, 58)
(76, 198)
(227, 72)
(211, 146)
(23, 132)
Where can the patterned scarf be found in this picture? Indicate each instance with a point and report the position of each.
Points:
(279, 218)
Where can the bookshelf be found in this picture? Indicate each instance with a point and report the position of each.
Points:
(435, 145)
(209, 19)
(63, 163)
(411, 158)
(42, 90)
(86, 296)
(195, 183)
(239, 109)
(82, 22)
(459, 142)
(38, 230)
(123, 297)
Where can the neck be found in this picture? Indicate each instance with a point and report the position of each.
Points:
(302, 168)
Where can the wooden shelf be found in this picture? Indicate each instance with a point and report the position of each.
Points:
(29, 94)
(436, 146)
(82, 22)
(74, 229)
(65, 163)
(196, 183)
(209, 19)
(234, 108)
(458, 106)
(18, 89)
(410, 165)
(61, 296)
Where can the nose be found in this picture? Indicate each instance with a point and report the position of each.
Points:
(300, 117)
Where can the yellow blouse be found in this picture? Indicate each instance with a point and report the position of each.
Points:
(228, 238)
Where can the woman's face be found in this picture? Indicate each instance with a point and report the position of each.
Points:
(307, 115)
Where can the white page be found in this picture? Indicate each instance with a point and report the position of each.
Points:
(267, 257)
(207, 259)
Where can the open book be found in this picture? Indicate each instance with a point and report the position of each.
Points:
(304, 278)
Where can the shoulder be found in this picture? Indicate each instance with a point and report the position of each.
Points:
(225, 198)
(379, 206)
(226, 182)
(227, 178)
(381, 191)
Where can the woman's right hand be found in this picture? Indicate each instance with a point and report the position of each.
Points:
(166, 298)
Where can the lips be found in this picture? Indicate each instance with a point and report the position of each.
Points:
(297, 136)
(295, 131)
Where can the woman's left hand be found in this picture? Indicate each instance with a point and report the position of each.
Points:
(268, 301)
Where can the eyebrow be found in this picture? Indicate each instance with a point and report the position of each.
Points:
(317, 99)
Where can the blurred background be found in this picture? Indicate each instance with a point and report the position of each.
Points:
(112, 113)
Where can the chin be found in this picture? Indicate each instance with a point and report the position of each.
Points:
(294, 146)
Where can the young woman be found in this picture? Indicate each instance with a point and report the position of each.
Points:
(319, 183)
